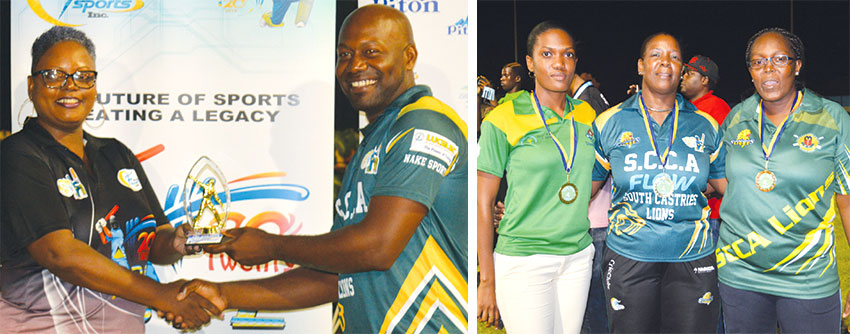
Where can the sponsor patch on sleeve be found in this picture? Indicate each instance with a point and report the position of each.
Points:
(434, 144)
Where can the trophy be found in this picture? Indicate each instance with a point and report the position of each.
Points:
(206, 202)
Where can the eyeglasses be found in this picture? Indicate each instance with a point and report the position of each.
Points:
(54, 78)
(778, 60)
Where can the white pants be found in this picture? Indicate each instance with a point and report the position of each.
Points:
(543, 293)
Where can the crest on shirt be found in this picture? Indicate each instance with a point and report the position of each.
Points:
(529, 139)
(370, 161)
(744, 138)
(695, 142)
(127, 177)
(589, 134)
(71, 185)
(808, 142)
(628, 139)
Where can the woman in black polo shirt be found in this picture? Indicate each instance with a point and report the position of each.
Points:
(80, 223)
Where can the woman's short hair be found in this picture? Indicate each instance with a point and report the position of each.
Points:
(55, 35)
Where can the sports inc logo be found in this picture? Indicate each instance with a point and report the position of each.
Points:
(459, 28)
(808, 142)
(73, 13)
(412, 6)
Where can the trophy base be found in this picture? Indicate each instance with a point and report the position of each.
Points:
(205, 239)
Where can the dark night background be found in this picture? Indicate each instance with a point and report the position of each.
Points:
(608, 36)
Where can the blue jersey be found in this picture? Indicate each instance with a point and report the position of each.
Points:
(644, 226)
(416, 149)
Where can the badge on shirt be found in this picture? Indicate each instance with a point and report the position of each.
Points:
(371, 160)
(128, 178)
(434, 144)
(628, 139)
(744, 138)
(695, 142)
(71, 185)
(808, 142)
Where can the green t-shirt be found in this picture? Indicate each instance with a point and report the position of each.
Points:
(781, 242)
(513, 139)
(511, 96)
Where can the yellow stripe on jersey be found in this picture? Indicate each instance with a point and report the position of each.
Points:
(844, 173)
(432, 264)
(515, 126)
(605, 116)
(430, 103)
(699, 226)
(602, 161)
(437, 297)
(809, 241)
(395, 140)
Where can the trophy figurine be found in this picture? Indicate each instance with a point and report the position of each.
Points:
(201, 191)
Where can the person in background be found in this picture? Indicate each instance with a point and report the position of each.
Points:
(788, 180)
(595, 315)
(512, 80)
(700, 77)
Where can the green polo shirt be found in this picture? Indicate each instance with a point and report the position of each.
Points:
(510, 96)
(514, 140)
(782, 242)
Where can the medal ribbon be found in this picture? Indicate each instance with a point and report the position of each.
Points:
(567, 165)
(673, 130)
(766, 151)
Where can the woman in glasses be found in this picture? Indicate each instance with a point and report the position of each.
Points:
(661, 152)
(788, 153)
(539, 274)
(80, 223)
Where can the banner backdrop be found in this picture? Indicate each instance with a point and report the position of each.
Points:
(440, 32)
(246, 83)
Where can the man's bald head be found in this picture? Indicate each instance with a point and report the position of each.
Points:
(375, 57)
(381, 17)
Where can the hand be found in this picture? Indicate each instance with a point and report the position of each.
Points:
(187, 313)
(488, 311)
(846, 307)
(209, 290)
(498, 214)
(247, 246)
(181, 233)
(633, 88)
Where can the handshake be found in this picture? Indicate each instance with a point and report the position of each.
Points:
(188, 305)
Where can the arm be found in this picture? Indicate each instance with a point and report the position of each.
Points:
(719, 185)
(594, 188)
(75, 262)
(372, 244)
(843, 202)
(488, 186)
(169, 245)
(294, 289)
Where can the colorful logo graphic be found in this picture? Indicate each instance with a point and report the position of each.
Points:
(808, 142)
(370, 161)
(79, 10)
(459, 28)
(127, 177)
(71, 185)
(589, 134)
(625, 220)
(706, 298)
(695, 142)
(743, 138)
(628, 139)
(615, 304)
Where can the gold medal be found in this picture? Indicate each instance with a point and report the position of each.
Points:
(568, 193)
(765, 180)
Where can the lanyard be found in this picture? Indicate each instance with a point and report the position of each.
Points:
(767, 151)
(662, 158)
(567, 165)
